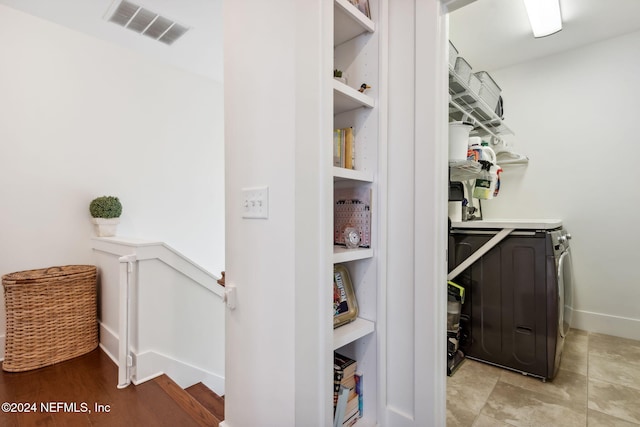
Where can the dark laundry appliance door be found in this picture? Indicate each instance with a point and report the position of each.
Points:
(510, 300)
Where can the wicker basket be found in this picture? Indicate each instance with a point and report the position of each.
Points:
(51, 316)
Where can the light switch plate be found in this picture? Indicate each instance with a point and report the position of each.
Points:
(255, 203)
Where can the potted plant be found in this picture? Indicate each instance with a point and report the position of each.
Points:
(337, 74)
(105, 212)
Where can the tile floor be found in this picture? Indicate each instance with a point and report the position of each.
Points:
(598, 385)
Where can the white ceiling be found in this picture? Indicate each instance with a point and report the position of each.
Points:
(199, 50)
(492, 34)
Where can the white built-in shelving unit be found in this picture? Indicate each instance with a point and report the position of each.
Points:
(356, 53)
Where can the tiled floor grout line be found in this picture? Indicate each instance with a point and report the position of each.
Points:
(485, 402)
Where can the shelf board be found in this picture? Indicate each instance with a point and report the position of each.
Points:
(350, 332)
(346, 98)
(342, 254)
(349, 22)
(469, 103)
(350, 174)
(510, 158)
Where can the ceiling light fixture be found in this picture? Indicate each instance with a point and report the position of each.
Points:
(544, 16)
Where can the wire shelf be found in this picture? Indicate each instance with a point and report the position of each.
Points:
(466, 105)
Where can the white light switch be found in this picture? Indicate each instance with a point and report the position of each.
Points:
(255, 202)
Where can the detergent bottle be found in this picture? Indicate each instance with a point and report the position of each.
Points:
(475, 148)
(487, 153)
(482, 187)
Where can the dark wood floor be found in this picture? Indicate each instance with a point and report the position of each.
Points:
(83, 392)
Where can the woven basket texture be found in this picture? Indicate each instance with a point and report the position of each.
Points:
(51, 316)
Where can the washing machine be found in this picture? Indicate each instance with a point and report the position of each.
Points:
(519, 293)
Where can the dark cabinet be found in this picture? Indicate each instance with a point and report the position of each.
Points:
(508, 312)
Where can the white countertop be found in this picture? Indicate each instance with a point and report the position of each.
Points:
(526, 224)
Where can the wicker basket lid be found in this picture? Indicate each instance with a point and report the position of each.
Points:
(29, 276)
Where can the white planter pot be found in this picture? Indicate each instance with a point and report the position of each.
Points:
(106, 227)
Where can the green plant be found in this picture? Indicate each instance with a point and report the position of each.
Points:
(337, 73)
(105, 207)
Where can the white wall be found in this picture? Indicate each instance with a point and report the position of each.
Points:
(277, 72)
(81, 118)
(575, 115)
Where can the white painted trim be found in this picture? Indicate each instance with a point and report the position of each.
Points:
(106, 351)
(606, 324)
(151, 364)
(146, 250)
(149, 377)
(383, 214)
(109, 342)
(441, 214)
(126, 272)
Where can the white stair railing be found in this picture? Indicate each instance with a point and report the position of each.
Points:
(159, 313)
(124, 355)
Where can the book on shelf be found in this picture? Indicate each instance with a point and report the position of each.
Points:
(351, 412)
(344, 148)
(337, 380)
(341, 406)
(347, 410)
(344, 369)
(350, 421)
(344, 364)
(352, 210)
(358, 377)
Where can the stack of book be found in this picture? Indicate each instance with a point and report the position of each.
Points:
(343, 148)
(347, 397)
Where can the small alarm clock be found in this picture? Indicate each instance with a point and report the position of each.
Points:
(351, 237)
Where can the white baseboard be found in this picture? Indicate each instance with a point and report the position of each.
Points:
(151, 364)
(109, 342)
(606, 324)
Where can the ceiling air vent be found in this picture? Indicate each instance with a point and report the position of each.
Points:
(144, 21)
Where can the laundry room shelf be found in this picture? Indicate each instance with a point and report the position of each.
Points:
(511, 158)
(466, 105)
(464, 170)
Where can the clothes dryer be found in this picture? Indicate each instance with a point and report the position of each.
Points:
(519, 294)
